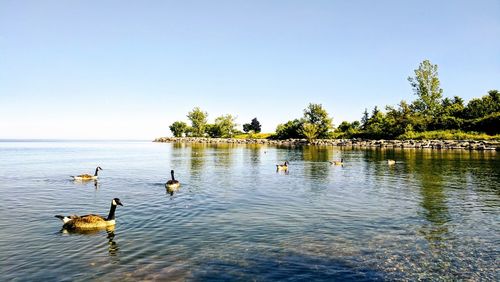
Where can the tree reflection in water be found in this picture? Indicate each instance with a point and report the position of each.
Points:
(317, 162)
(197, 157)
(434, 201)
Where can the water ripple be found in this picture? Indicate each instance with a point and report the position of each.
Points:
(429, 217)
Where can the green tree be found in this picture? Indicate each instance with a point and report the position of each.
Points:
(247, 127)
(224, 126)
(451, 115)
(398, 120)
(376, 124)
(344, 126)
(348, 129)
(315, 114)
(198, 120)
(486, 105)
(254, 125)
(426, 86)
(364, 119)
(291, 129)
(483, 114)
(356, 125)
(489, 124)
(212, 131)
(309, 130)
(452, 107)
(178, 128)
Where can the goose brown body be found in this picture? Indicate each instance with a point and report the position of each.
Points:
(172, 184)
(87, 176)
(283, 166)
(341, 162)
(91, 221)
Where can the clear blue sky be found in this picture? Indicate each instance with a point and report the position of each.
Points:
(128, 69)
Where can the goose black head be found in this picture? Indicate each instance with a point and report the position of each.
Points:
(116, 201)
(99, 168)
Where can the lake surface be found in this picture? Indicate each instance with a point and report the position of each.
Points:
(433, 215)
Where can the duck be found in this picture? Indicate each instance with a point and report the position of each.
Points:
(172, 184)
(391, 162)
(283, 166)
(341, 162)
(88, 176)
(90, 221)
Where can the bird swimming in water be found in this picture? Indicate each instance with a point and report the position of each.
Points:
(88, 176)
(90, 221)
(341, 162)
(283, 166)
(173, 184)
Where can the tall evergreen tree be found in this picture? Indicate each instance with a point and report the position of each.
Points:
(364, 119)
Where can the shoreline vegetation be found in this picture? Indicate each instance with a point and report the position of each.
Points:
(481, 145)
(429, 117)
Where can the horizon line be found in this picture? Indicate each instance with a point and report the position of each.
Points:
(65, 139)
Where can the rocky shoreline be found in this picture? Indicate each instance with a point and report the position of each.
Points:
(354, 143)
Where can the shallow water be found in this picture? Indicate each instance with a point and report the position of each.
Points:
(433, 215)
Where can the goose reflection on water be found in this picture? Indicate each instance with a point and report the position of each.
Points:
(286, 172)
(113, 248)
(112, 245)
(87, 182)
(170, 192)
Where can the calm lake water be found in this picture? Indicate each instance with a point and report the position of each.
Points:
(433, 215)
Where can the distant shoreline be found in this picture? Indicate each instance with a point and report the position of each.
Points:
(354, 143)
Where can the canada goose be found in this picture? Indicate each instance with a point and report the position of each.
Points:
(391, 162)
(90, 221)
(172, 184)
(88, 176)
(283, 166)
(341, 162)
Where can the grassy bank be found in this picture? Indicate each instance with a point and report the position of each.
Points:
(447, 135)
(253, 136)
